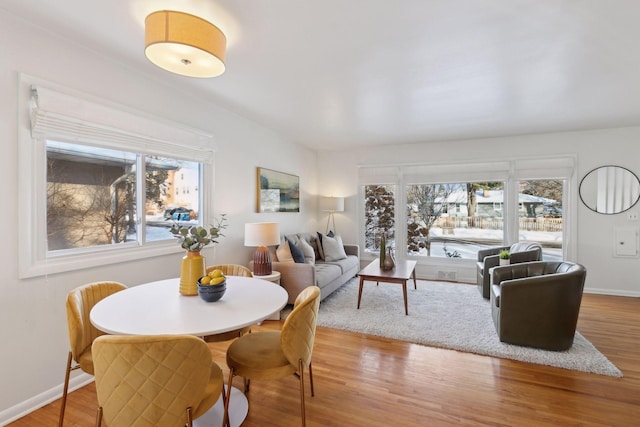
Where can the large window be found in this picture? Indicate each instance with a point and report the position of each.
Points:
(92, 201)
(100, 184)
(498, 203)
(540, 215)
(453, 220)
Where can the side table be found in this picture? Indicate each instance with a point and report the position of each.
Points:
(275, 278)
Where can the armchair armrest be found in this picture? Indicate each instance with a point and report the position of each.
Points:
(352, 250)
(482, 253)
(525, 256)
(517, 271)
(490, 262)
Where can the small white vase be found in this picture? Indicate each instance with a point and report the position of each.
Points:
(504, 261)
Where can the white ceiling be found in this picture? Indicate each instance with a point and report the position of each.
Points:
(337, 73)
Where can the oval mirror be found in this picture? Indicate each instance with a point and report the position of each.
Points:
(610, 189)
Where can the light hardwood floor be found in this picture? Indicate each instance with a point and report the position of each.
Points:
(362, 380)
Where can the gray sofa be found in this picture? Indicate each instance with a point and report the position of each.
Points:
(327, 275)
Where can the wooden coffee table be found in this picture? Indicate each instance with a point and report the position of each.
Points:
(403, 271)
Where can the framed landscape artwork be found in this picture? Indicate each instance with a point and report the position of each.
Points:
(278, 191)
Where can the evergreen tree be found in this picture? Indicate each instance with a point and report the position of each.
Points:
(379, 215)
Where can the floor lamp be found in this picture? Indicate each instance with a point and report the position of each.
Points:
(261, 235)
(331, 205)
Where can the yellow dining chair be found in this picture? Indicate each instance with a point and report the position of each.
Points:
(80, 301)
(276, 354)
(158, 380)
(229, 270)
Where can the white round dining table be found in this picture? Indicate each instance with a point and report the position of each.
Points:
(158, 308)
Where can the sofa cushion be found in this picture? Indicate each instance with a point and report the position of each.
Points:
(296, 252)
(346, 264)
(333, 248)
(307, 251)
(320, 248)
(284, 251)
(326, 273)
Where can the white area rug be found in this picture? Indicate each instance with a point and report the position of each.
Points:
(446, 315)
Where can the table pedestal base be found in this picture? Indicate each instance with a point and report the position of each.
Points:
(238, 410)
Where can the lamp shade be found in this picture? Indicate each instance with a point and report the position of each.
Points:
(184, 44)
(258, 234)
(332, 204)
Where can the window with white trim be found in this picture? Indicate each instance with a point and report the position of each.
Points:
(99, 179)
(451, 211)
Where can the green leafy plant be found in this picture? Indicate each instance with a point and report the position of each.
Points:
(504, 254)
(195, 238)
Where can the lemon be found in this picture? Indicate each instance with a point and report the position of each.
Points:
(205, 280)
(217, 280)
(216, 273)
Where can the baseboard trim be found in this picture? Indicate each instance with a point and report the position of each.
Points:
(612, 292)
(15, 412)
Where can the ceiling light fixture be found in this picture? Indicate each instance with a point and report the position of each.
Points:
(184, 44)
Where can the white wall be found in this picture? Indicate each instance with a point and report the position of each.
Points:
(594, 237)
(32, 312)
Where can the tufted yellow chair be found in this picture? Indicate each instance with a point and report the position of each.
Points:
(80, 301)
(159, 380)
(230, 270)
(277, 354)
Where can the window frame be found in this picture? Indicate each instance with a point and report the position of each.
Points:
(510, 171)
(141, 134)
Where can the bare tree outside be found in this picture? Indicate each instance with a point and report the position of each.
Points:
(88, 205)
(425, 204)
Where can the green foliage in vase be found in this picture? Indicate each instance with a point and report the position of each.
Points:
(504, 254)
(195, 238)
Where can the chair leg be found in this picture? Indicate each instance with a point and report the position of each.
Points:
(225, 420)
(99, 417)
(301, 370)
(189, 417)
(311, 379)
(65, 389)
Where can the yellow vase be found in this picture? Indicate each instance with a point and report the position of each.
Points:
(191, 270)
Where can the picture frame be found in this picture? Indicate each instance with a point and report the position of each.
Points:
(277, 191)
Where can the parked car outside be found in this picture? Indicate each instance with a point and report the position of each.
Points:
(178, 214)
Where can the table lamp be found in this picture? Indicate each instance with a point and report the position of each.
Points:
(261, 235)
(331, 205)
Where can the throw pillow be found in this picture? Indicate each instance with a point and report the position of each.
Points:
(320, 249)
(314, 244)
(296, 252)
(284, 251)
(307, 250)
(333, 248)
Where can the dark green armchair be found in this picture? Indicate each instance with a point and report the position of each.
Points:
(489, 258)
(536, 304)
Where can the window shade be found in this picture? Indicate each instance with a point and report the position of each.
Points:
(55, 114)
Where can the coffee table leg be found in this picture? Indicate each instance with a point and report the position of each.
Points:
(415, 285)
(360, 291)
(404, 291)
